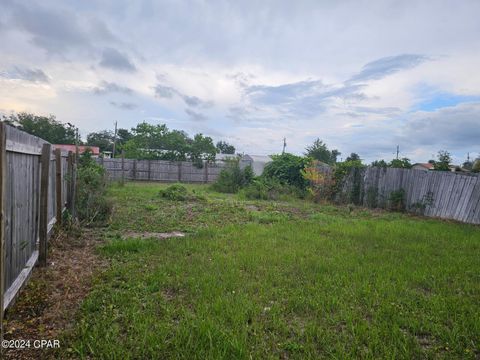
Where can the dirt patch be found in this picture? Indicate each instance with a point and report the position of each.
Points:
(46, 307)
(152, 235)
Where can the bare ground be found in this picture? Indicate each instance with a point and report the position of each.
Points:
(46, 307)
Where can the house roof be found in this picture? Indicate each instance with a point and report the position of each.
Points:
(257, 158)
(81, 148)
(424, 165)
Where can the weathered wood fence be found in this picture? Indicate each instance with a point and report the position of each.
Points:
(442, 194)
(36, 184)
(119, 169)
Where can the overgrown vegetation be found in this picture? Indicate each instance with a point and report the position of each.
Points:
(178, 192)
(93, 207)
(396, 200)
(269, 189)
(268, 279)
(287, 169)
(421, 206)
(232, 178)
(341, 171)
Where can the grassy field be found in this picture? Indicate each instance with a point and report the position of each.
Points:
(285, 279)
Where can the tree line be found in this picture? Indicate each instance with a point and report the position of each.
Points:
(158, 142)
(320, 152)
(144, 141)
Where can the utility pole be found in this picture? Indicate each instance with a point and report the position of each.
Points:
(398, 150)
(284, 145)
(114, 140)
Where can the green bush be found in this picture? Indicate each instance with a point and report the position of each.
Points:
(287, 169)
(232, 178)
(269, 189)
(175, 192)
(93, 207)
(397, 200)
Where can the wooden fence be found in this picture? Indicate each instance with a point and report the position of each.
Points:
(442, 194)
(36, 184)
(160, 170)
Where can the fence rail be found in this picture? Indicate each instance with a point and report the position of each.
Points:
(160, 170)
(441, 194)
(35, 183)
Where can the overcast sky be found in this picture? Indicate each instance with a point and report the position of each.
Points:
(363, 76)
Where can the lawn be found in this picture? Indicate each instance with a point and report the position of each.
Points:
(279, 279)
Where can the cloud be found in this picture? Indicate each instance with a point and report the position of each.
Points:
(22, 73)
(124, 105)
(114, 59)
(388, 65)
(168, 92)
(111, 87)
(164, 92)
(195, 116)
(54, 31)
(450, 128)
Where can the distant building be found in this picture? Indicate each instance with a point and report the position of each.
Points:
(422, 166)
(222, 157)
(81, 148)
(257, 162)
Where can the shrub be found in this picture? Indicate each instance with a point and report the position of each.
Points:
(232, 178)
(91, 201)
(268, 189)
(287, 169)
(175, 192)
(397, 200)
(320, 182)
(341, 171)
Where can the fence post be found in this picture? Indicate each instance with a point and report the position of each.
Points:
(70, 177)
(43, 227)
(135, 169)
(58, 185)
(3, 182)
(123, 167)
(179, 171)
(149, 168)
(206, 172)
(75, 158)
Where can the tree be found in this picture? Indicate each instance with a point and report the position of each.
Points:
(476, 166)
(319, 151)
(47, 128)
(403, 163)
(443, 161)
(468, 165)
(225, 148)
(353, 157)
(379, 163)
(147, 142)
(123, 135)
(201, 148)
(102, 139)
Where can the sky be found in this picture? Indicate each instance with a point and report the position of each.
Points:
(363, 76)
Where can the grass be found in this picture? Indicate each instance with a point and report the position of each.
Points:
(285, 279)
